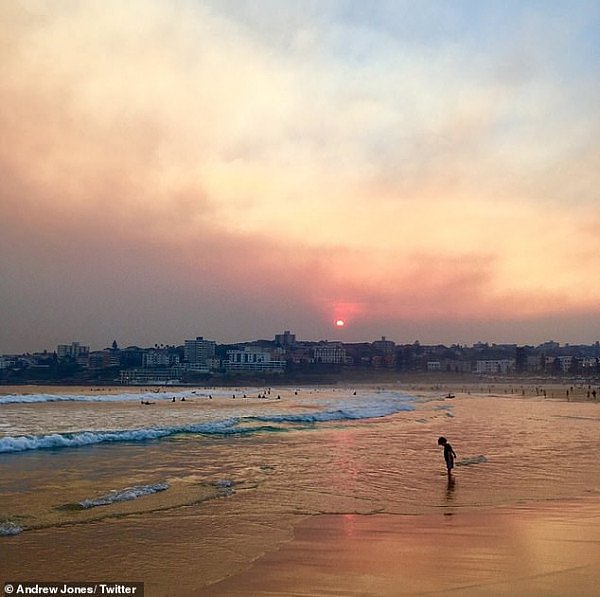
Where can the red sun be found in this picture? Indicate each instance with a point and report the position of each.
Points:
(340, 323)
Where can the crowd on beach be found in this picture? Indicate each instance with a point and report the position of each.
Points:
(573, 391)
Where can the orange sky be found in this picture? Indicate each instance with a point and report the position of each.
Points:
(231, 169)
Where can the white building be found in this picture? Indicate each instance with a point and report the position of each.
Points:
(566, 362)
(253, 359)
(384, 345)
(330, 353)
(501, 366)
(77, 352)
(74, 350)
(99, 359)
(159, 358)
(169, 376)
(198, 351)
(212, 364)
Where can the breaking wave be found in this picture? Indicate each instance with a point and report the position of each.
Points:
(88, 438)
(386, 405)
(125, 397)
(360, 410)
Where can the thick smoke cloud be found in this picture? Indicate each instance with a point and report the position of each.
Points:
(229, 169)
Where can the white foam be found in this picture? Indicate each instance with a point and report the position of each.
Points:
(9, 528)
(226, 486)
(124, 495)
(472, 460)
(124, 397)
(88, 438)
(379, 405)
(383, 405)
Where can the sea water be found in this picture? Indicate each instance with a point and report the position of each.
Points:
(216, 475)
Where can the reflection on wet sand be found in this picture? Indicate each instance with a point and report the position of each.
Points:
(450, 488)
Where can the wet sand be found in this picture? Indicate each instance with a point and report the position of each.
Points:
(548, 549)
(543, 549)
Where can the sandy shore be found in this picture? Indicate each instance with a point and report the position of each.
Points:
(550, 548)
(547, 388)
(544, 549)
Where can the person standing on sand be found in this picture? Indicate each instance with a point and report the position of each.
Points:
(449, 454)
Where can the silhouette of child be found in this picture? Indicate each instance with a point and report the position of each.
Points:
(449, 454)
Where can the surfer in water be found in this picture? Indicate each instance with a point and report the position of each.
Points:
(449, 454)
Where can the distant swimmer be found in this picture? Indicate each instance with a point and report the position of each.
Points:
(449, 454)
(173, 400)
(183, 399)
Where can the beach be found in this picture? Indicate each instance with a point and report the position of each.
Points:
(304, 491)
(542, 549)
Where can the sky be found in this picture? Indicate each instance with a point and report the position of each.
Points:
(226, 168)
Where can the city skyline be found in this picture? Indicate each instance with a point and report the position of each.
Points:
(424, 172)
(279, 339)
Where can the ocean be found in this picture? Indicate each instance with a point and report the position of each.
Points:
(228, 471)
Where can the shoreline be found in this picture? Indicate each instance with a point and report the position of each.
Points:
(539, 548)
(325, 379)
(534, 548)
(569, 391)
